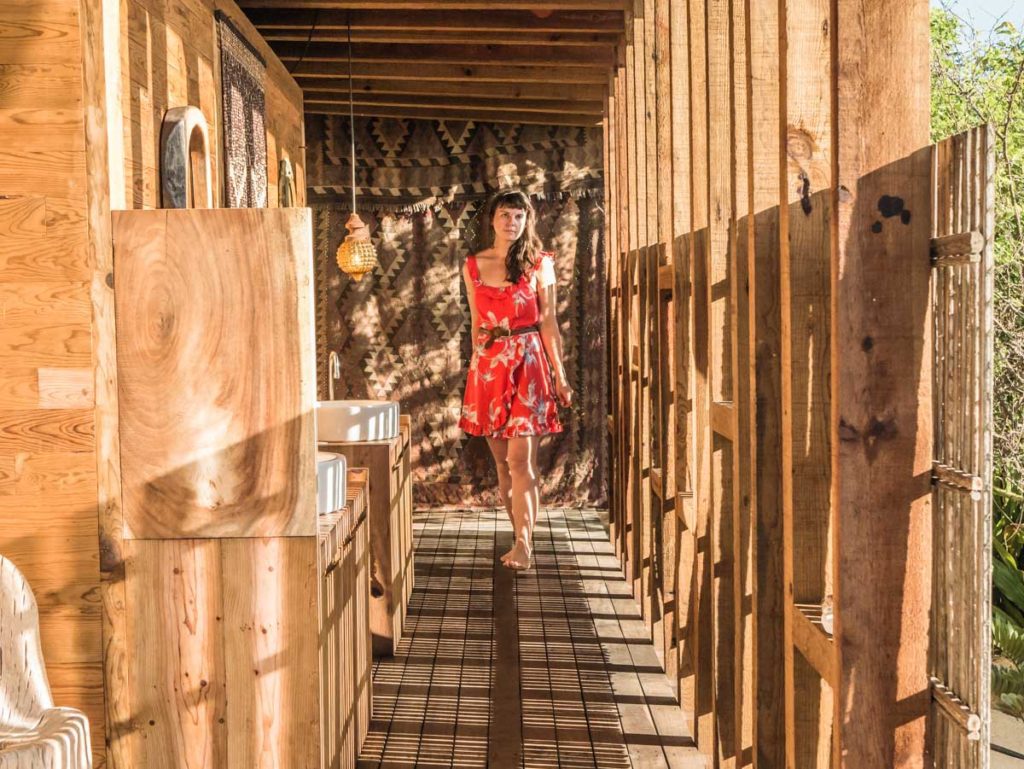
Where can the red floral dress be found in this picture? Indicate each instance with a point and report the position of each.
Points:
(508, 388)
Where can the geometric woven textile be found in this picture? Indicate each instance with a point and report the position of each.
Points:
(402, 332)
(243, 103)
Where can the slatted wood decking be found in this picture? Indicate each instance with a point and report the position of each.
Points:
(549, 668)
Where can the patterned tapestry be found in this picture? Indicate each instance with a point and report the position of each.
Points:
(243, 103)
(403, 331)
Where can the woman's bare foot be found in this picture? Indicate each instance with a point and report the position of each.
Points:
(519, 557)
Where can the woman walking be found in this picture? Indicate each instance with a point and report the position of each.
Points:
(510, 397)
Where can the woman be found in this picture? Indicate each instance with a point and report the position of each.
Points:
(509, 396)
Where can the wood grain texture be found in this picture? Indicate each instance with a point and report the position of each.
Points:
(806, 220)
(270, 651)
(228, 452)
(66, 388)
(345, 642)
(47, 423)
(882, 415)
(170, 57)
(223, 668)
(177, 684)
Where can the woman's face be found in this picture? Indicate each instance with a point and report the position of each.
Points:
(509, 223)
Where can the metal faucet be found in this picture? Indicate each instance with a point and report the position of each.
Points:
(333, 372)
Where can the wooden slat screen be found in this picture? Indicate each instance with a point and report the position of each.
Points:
(960, 660)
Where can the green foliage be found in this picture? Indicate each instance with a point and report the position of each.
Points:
(1008, 675)
(979, 78)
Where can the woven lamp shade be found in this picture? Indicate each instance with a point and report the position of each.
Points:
(356, 254)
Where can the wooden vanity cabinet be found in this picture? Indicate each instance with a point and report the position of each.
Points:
(345, 658)
(235, 631)
(391, 575)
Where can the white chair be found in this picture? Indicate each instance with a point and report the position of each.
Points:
(33, 733)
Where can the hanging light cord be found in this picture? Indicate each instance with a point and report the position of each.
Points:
(309, 39)
(351, 118)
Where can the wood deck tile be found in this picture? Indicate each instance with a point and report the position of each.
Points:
(552, 668)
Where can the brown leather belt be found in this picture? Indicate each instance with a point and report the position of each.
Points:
(495, 333)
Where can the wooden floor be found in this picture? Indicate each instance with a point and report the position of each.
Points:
(548, 668)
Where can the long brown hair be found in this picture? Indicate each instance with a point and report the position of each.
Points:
(524, 252)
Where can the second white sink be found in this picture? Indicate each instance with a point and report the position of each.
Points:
(331, 481)
(356, 421)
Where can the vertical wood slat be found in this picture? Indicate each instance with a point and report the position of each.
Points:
(792, 145)
(765, 167)
(633, 514)
(960, 656)
(721, 375)
(740, 244)
(668, 561)
(645, 509)
(701, 612)
(684, 442)
(621, 203)
(685, 542)
(702, 626)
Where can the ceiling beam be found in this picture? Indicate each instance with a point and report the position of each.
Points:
(462, 113)
(312, 99)
(414, 71)
(512, 91)
(463, 37)
(536, 6)
(570, 57)
(498, 21)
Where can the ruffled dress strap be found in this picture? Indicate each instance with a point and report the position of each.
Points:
(474, 269)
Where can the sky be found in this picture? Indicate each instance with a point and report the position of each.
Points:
(983, 14)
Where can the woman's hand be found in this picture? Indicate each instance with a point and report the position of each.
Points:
(563, 392)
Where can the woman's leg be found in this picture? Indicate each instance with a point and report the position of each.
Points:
(499, 450)
(522, 464)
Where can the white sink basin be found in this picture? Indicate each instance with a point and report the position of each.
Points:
(356, 421)
(331, 482)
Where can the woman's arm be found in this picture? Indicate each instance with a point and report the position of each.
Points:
(474, 320)
(551, 336)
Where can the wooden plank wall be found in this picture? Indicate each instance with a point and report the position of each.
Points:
(169, 58)
(47, 451)
(746, 355)
(60, 176)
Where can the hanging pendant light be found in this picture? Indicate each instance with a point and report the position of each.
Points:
(356, 255)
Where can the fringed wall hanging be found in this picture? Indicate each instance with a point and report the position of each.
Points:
(243, 105)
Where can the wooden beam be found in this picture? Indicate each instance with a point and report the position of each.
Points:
(409, 70)
(811, 640)
(769, 599)
(462, 113)
(315, 99)
(496, 20)
(546, 90)
(807, 29)
(881, 349)
(551, 40)
(722, 419)
(594, 57)
(666, 277)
